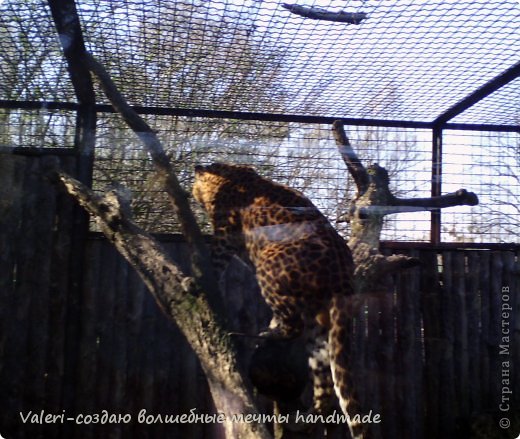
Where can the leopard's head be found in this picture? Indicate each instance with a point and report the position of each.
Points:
(209, 181)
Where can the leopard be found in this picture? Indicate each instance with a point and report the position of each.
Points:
(303, 266)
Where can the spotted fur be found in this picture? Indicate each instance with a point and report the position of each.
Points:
(303, 266)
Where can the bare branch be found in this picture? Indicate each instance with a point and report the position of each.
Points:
(354, 165)
(200, 257)
(399, 262)
(459, 198)
(180, 298)
(322, 14)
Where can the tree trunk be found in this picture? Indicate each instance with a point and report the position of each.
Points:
(181, 298)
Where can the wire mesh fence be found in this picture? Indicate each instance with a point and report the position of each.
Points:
(487, 163)
(42, 128)
(303, 156)
(406, 61)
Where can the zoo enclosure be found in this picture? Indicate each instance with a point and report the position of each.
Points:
(429, 90)
(244, 82)
(82, 334)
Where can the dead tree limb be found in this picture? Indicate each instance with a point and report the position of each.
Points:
(181, 298)
(349, 156)
(373, 201)
(191, 302)
(322, 14)
(200, 256)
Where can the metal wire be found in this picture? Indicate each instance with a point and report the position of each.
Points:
(489, 165)
(32, 66)
(501, 107)
(408, 61)
(37, 128)
(303, 156)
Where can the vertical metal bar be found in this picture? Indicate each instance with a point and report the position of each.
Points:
(84, 142)
(68, 26)
(435, 231)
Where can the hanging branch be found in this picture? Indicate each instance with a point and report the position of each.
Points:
(373, 201)
(322, 14)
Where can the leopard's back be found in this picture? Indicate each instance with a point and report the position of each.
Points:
(303, 266)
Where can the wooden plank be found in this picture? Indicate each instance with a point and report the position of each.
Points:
(447, 378)
(27, 271)
(88, 341)
(410, 352)
(147, 357)
(57, 304)
(485, 286)
(495, 304)
(136, 294)
(72, 357)
(460, 334)
(42, 212)
(105, 303)
(12, 176)
(386, 357)
(372, 345)
(431, 310)
(473, 303)
(118, 362)
(418, 350)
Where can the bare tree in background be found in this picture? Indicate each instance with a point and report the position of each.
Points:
(179, 64)
(31, 66)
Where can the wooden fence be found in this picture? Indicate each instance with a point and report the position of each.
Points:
(80, 335)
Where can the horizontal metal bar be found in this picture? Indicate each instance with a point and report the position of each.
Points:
(39, 105)
(33, 151)
(479, 94)
(481, 127)
(102, 108)
(404, 245)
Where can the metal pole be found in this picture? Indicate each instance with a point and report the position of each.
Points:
(435, 231)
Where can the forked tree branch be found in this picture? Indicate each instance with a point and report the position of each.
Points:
(373, 201)
(191, 302)
(180, 298)
(200, 257)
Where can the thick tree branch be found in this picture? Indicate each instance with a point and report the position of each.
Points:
(459, 198)
(349, 156)
(180, 297)
(400, 205)
(322, 14)
(373, 201)
(172, 290)
(200, 257)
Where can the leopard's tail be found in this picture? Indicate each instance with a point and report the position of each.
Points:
(339, 352)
